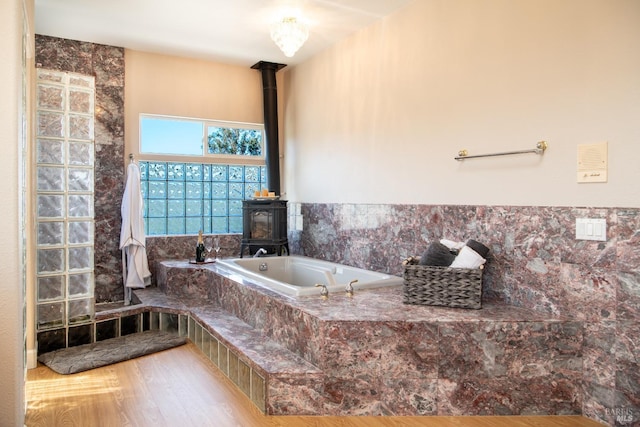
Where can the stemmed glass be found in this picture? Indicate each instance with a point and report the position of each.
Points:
(208, 245)
(216, 246)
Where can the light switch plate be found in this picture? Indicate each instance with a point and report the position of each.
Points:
(591, 229)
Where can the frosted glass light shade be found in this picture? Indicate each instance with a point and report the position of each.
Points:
(289, 34)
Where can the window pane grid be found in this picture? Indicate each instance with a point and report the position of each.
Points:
(183, 198)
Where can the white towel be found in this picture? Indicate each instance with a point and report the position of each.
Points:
(135, 267)
(468, 258)
(452, 245)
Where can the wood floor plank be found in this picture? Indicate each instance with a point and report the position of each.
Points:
(181, 388)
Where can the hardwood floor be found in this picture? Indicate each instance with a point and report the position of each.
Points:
(181, 388)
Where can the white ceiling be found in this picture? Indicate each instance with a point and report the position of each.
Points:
(232, 31)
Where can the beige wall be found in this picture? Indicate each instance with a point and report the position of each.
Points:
(11, 259)
(157, 84)
(379, 117)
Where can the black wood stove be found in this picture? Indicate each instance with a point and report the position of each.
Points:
(264, 226)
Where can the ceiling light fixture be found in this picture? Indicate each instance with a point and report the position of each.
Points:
(289, 34)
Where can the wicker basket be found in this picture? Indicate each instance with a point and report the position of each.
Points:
(443, 286)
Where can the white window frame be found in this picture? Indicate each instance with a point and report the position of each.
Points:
(231, 159)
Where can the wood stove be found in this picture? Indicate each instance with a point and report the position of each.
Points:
(264, 224)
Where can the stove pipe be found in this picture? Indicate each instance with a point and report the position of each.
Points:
(270, 100)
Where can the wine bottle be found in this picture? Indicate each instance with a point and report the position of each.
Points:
(201, 252)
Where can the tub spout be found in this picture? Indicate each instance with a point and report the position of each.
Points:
(330, 280)
(260, 252)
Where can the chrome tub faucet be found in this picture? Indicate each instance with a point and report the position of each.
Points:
(260, 252)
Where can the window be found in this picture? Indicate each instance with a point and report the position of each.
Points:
(182, 198)
(185, 137)
(234, 141)
(185, 197)
(170, 136)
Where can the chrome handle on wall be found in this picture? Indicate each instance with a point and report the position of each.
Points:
(540, 147)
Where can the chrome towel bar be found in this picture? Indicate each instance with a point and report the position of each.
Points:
(540, 147)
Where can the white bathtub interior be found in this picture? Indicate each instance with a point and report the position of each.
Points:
(297, 275)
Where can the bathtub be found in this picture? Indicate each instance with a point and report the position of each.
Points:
(297, 275)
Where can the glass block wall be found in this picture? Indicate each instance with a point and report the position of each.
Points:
(64, 199)
(183, 198)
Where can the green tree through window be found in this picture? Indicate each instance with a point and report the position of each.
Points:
(243, 142)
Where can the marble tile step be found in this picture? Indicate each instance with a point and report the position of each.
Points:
(277, 381)
(254, 348)
(251, 346)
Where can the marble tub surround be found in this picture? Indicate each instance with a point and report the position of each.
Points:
(378, 356)
(182, 281)
(530, 247)
(160, 248)
(535, 262)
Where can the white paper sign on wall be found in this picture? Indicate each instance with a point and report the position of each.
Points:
(592, 163)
